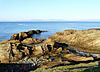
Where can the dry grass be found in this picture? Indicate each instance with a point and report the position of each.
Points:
(68, 68)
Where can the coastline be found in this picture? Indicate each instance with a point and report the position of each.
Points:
(69, 46)
(8, 29)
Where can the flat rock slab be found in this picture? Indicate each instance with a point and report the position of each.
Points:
(72, 57)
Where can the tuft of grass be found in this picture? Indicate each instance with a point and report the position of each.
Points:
(82, 67)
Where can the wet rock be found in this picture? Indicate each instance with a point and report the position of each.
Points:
(31, 32)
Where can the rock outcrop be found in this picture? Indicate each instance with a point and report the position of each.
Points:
(23, 35)
(70, 47)
(83, 40)
(19, 46)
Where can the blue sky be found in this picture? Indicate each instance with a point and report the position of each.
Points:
(17, 10)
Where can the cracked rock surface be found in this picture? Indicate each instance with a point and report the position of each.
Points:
(63, 51)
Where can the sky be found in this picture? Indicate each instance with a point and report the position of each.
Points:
(68, 10)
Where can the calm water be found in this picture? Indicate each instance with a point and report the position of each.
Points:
(7, 29)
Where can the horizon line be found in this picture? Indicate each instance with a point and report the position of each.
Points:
(47, 21)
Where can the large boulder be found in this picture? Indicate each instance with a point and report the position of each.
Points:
(20, 36)
(8, 53)
(37, 50)
(13, 51)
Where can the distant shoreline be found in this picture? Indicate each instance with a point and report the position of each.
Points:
(49, 21)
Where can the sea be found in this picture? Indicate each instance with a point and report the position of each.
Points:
(9, 28)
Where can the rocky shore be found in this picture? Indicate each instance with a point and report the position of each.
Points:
(67, 51)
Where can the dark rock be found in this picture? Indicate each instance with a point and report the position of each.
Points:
(57, 45)
(31, 32)
(94, 29)
(20, 36)
(49, 48)
(15, 67)
(23, 35)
